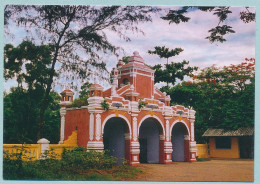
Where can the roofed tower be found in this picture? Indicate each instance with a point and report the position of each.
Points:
(138, 74)
(95, 90)
(66, 97)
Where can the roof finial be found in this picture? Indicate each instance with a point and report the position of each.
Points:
(136, 53)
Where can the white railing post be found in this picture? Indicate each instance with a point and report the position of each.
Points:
(44, 147)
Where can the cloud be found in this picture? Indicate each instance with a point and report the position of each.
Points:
(189, 36)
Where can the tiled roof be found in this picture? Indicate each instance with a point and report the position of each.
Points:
(243, 131)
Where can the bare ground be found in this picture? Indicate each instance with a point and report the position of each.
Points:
(211, 170)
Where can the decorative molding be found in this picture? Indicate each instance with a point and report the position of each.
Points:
(62, 111)
(91, 127)
(65, 103)
(117, 112)
(134, 148)
(127, 89)
(192, 113)
(151, 113)
(98, 126)
(168, 147)
(95, 145)
(167, 118)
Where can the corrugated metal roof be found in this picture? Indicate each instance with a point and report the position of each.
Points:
(243, 131)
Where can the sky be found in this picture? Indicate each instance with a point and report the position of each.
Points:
(189, 36)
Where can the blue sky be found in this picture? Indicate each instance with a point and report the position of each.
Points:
(189, 36)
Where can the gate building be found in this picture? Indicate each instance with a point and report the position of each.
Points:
(139, 126)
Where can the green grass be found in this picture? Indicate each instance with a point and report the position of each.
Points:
(75, 165)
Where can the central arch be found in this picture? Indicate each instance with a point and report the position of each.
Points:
(151, 135)
(116, 138)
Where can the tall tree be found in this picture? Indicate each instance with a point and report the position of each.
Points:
(69, 30)
(223, 97)
(30, 65)
(21, 109)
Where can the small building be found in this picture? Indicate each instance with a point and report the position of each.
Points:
(231, 143)
(139, 126)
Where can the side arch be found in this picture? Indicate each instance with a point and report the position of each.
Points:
(177, 121)
(120, 116)
(155, 117)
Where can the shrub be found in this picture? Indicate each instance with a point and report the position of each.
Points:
(79, 159)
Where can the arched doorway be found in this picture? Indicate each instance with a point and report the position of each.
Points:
(114, 138)
(180, 143)
(149, 139)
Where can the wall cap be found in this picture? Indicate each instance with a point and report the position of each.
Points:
(43, 141)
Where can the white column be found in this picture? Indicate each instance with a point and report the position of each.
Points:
(98, 126)
(135, 129)
(62, 124)
(91, 127)
(167, 131)
(192, 129)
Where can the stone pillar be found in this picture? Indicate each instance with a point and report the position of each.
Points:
(44, 147)
(134, 144)
(95, 140)
(167, 143)
(168, 152)
(62, 124)
(98, 127)
(193, 147)
(134, 152)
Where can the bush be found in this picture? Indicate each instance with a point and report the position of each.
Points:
(79, 159)
(76, 164)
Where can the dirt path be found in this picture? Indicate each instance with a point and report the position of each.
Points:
(212, 170)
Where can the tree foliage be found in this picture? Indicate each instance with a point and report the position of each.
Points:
(172, 72)
(21, 109)
(28, 63)
(72, 31)
(164, 52)
(223, 97)
(83, 96)
(222, 12)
